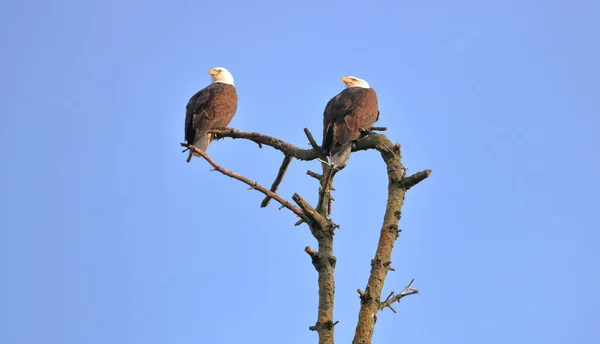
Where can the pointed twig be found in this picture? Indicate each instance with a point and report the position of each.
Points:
(313, 143)
(408, 290)
(284, 165)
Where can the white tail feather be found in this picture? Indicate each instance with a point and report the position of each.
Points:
(341, 156)
(202, 142)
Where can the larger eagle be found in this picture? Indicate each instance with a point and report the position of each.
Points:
(212, 107)
(351, 110)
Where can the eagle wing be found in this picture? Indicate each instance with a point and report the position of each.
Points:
(334, 111)
(212, 107)
(196, 102)
(345, 114)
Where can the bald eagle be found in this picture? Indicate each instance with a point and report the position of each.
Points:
(212, 107)
(345, 114)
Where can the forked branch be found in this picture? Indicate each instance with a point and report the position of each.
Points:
(323, 228)
(253, 185)
(380, 265)
(408, 290)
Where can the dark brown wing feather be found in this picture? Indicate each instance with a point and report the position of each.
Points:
(212, 107)
(345, 114)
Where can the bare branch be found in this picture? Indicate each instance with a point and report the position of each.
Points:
(408, 290)
(314, 174)
(311, 252)
(312, 214)
(284, 165)
(253, 185)
(378, 128)
(364, 143)
(324, 262)
(313, 143)
(325, 190)
(320, 326)
(286, 148)
(380, 265)
(416, 178)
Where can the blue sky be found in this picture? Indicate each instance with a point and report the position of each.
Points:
(108, 236)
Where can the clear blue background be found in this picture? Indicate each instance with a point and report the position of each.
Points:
(108, 236)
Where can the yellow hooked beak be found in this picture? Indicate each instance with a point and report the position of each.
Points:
(213, 72)
(346, 80)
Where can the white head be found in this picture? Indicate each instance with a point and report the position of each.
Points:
(352, 81)
(222, 75)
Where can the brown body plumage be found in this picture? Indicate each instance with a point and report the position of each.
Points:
(212, 107)
(345, 114)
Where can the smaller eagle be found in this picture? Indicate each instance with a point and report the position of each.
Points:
(353, 109)
(210, 108)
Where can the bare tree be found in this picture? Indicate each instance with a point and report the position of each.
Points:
(322, 227)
